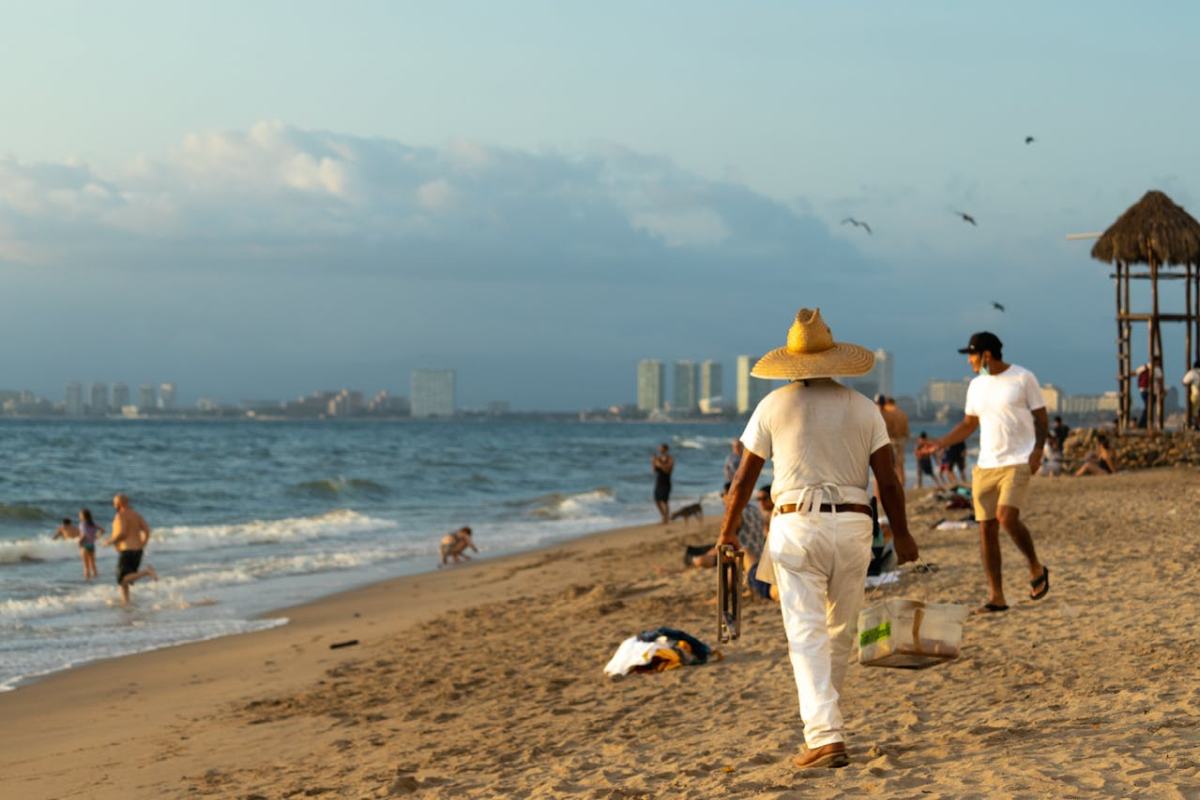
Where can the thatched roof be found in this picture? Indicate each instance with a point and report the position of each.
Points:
(1153, 226)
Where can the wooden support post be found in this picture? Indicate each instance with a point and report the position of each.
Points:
(1121, 421)
(1187, 348)
(1127, 354)
(1155, 421)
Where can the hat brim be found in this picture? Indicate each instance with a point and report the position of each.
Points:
(965, 350)
(843, 359)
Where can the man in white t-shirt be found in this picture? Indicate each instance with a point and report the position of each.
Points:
(824, 439)
(1005, 403)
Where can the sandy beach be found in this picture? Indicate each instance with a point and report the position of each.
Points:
(486, 681)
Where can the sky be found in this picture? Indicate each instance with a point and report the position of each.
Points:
(256, 200)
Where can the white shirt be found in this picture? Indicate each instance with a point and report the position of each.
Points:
(818, 434)
(1191, 377)
(1004, 404)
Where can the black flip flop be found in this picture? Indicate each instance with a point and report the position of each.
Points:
(1043, 581)
(990, 608)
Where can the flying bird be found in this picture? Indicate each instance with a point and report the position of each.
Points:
(997, 306)
(967, 218)
(1030, 140)
(857, 223)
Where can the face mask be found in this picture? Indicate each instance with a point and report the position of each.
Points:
(983, 369)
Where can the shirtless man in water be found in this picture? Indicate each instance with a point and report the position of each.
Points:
(130, 533)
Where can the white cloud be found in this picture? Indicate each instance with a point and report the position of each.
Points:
(284, 190)
(436, 195)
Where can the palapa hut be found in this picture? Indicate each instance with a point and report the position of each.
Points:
(1161, 235)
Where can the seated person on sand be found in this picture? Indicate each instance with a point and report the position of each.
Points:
(67, 530)
(1051, 461)
(766, 508)
(752, 536)
(1099, 461)
(454, 545)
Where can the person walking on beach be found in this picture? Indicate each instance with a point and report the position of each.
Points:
(897, 427)
(130, 534)
(1143, 384)
(823, 439)
(663, 463)
(88, 531)
(925, 465)
(1058, 434)
(1005, 403)
(733, 460)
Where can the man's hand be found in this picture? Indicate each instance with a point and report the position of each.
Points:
(728, 539)
(906, 547)
(1035, 462)
(927, 449)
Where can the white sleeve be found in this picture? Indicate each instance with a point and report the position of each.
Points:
(972, 404)
(1033, 392)
(757, 436)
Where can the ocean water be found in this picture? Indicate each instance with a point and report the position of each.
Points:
(252, 516)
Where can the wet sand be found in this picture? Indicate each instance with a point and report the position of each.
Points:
(485, 681)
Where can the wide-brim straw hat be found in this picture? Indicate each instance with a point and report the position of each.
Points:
(811, 352)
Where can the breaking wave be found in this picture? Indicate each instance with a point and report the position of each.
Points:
(172, 592)
(332, 524)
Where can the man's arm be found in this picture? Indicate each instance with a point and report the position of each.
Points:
(961, 431)
(738, 495)
(1041, 425)
(892, 494)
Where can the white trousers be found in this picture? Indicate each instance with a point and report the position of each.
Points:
(820, 567)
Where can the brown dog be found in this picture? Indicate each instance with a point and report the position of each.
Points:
(687, 512)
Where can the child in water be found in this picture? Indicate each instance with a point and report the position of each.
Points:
(455, 544)
(88, 531)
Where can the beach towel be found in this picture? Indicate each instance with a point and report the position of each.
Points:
(658, 650)
(883, 579)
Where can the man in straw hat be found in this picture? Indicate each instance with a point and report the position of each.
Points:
(824, 439)
(1005, 403)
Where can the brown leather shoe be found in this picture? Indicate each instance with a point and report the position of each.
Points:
(830, 755)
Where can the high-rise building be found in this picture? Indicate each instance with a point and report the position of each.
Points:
(74, 399)
(686, 397)
(99, 399)
(1052, 396)
(650, 379)
(167, 397)
(710, 387)
(750, 390)
(946, 394)
(432, 392)
(120, 396)
(147, 398)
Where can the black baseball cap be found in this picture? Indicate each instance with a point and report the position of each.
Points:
(983, 341)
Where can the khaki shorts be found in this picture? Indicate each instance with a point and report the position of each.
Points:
(998, 486)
